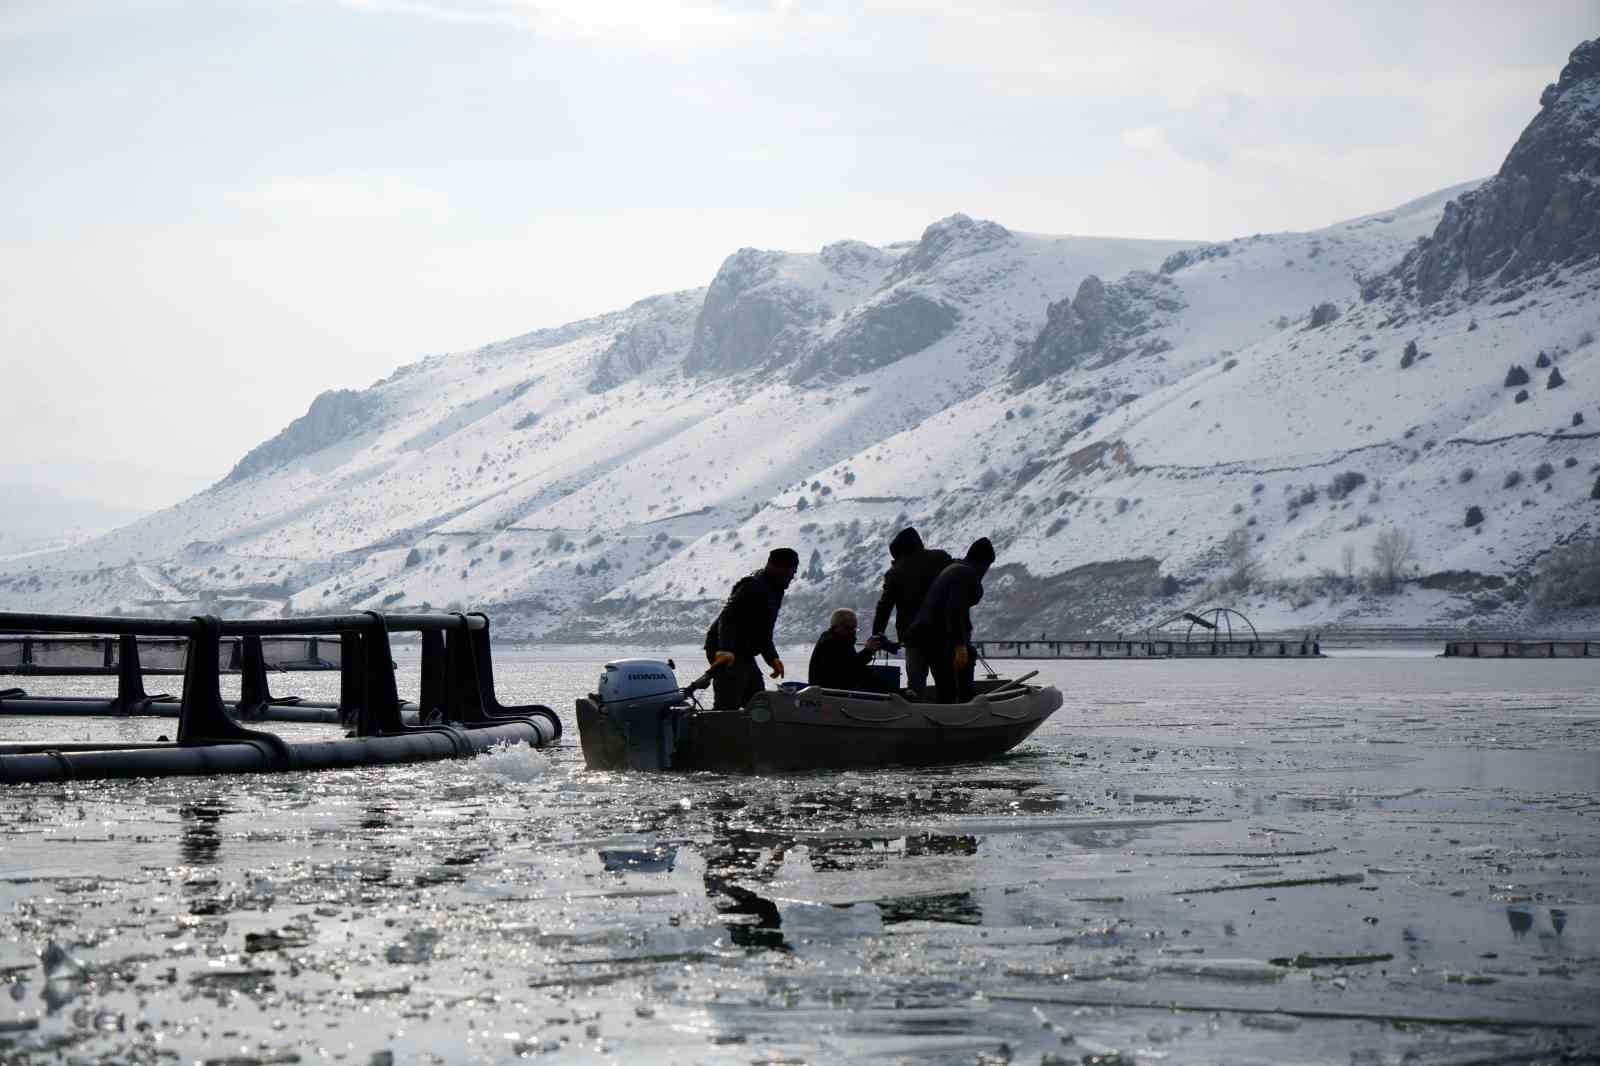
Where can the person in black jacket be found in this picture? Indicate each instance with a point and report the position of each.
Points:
(944, 625)
(743, 630)
(904, 587)
(835, 662)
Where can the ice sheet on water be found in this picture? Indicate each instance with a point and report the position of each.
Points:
(1224, 969)
(876, 911)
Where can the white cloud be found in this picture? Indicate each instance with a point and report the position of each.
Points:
(1145, 138)
(651, 24)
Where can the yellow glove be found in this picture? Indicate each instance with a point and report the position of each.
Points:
(721, 659)
(777, 668)
(961, 658)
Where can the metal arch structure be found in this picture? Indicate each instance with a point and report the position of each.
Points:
(1218, 620)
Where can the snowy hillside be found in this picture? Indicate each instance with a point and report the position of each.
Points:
(51, 521)
(1111, 412)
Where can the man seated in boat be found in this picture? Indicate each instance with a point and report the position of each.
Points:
(744, 628)
(835, 662)
(944, 625)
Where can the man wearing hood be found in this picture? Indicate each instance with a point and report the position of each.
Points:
(944, 624)
(744, 628)
(904, 588)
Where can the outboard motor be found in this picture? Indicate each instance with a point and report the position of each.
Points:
(641, 697)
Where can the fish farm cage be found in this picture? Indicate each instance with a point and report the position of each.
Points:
(456, 713)
(129, 658)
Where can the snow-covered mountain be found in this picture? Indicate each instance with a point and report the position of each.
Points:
(1136, 424)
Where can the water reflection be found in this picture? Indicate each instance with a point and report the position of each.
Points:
(736, 855)
(958, 908)
(377, 818)
(652, 860)
(65, 978)
(201, 838)
(1523, 919)
(942, 844)
(739, 859)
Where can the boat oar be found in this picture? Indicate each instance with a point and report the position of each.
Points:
(1011, 683)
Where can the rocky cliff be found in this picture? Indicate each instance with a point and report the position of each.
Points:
(1101, 324)
(334, 416)
(1541, 212)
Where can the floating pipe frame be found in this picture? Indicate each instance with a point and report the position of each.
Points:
(459, 714)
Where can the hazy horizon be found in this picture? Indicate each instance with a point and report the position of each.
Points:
(213, 215)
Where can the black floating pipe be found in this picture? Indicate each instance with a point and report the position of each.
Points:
(466, 694)
(380, 702)
(64, 763)
(254, 695)
(338, 623)
(131, 695)
(31, 622)
(485, 669)
(432, 703)
(15, 701)
(204, 720)
(19, 622)
(352, 685)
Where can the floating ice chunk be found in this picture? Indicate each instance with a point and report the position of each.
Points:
(1224, 969)
(825, 921)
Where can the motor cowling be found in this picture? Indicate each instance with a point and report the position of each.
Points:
(641, 697)
(629, 681)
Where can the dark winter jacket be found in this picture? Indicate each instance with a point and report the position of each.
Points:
(907, 581)
(745, 624)
(946, 614)
(836, 663)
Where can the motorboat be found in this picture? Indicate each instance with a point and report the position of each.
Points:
(641, 719)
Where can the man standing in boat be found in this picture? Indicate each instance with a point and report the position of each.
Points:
(744, 628)
(944, 624)
(904, 588)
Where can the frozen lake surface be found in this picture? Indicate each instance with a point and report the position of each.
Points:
(1364, 859)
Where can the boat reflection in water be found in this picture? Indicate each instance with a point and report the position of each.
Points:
(739, 863)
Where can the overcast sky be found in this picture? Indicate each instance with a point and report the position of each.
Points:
(210, 212)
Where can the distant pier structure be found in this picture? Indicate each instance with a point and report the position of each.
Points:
(1147, 648)
(1215, 633)
(1224, 633)
(1479, 648)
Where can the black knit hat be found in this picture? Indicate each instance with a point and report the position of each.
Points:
(981, 552)
(784, 558)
